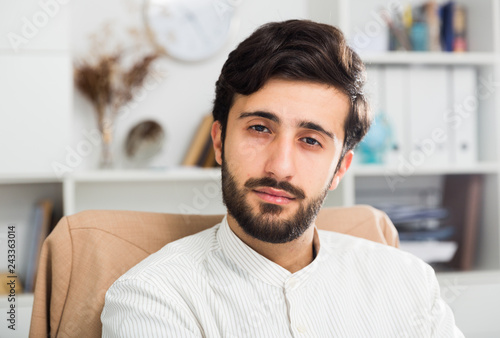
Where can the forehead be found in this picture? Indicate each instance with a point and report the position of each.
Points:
(294, 101)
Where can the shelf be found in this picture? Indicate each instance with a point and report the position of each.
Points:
(204, 174)
(471, 277)
(429, 58)
(22, 300)
(35, 52)
(430, 251)
(174, 174)
(376, 170)
(27, 178)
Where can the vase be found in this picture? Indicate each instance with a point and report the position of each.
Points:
(106, 160)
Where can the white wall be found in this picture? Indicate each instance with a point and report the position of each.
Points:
(187, 91)
(35, 85)
(43, 117)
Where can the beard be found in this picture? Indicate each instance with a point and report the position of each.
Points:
(266, 225)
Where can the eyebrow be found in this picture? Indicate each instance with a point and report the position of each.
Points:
(266, 115)
(301, 124)
(317, 127)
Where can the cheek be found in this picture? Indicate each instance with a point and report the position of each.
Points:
(316, 176)
(315, 183)
(242, 159)
(244, 151)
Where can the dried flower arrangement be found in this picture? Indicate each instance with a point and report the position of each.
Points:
(108, 84)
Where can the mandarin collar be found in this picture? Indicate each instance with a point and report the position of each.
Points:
(259, 266)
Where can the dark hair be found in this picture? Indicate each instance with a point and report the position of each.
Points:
(296, 50)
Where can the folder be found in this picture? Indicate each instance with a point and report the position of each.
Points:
(374, 87)
(462, 118)
(395, 103)
(429, 101)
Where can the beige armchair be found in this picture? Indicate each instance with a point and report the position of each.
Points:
(88, 251)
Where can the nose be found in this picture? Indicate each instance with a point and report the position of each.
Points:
(280, 161)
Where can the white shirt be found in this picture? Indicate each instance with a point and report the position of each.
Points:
(213, 285)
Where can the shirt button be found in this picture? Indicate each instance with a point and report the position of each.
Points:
(301, 328)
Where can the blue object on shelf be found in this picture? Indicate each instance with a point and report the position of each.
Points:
(447, 34)
(377, 142)
(419, 36)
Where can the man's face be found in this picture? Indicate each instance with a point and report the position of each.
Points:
(281, 149)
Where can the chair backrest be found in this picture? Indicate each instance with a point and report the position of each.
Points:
(88, 251)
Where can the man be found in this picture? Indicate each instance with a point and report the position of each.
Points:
(288, 111)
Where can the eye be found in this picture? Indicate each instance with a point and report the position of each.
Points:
(259, 128)
(312, 142)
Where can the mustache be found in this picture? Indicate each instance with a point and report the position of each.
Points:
(270, 182)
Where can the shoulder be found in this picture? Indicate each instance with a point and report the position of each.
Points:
(372, 258)
(379, 271)
(182, 257)
(167, 280)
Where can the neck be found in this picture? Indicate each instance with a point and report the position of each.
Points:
(293, 256)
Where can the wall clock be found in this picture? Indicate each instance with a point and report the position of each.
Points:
(189, 30)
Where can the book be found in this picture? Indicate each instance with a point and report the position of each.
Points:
(198, 145)
(210, 159)
(428, 27)
(206, 151)
(462, 196)
(447, 34)
(453, 27)
(42, 226)
(5, 284)
(459, 29)
(433, 26)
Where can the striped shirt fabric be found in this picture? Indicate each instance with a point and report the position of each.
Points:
(212, 284)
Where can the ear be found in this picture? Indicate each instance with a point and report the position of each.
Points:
(217, 141)
(346, 163)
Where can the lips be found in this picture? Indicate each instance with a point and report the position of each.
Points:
(275, 192)
(274, 196)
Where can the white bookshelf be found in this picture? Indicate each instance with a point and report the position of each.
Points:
(170, 175)
(473, 295)
(27, 178)
(180, 189)
(480, 168)
(176, 190)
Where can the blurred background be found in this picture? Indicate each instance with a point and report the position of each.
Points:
(106, 105)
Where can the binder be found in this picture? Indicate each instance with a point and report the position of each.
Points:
(428, 105)
(374, 88)
(463, 116)
(395, 104)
